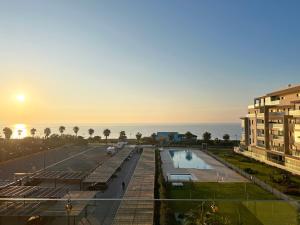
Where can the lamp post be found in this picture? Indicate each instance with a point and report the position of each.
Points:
(68, 208)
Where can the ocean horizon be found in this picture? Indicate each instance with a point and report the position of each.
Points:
(216, 129)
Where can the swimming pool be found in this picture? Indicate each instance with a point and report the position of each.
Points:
(187, 159)
(180, 177)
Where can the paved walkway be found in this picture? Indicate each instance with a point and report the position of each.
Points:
(105, 211)
(218, 173)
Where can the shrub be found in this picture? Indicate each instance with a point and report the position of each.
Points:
(250, 171)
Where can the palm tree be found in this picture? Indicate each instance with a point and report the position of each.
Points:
(122, 135)
(76, 129)
(206, 136)
(7, 132)
(61, 130)
(20, 133)
(106, 133)
(138, 137)
(47, 132)
(91, 132)
(32, 132)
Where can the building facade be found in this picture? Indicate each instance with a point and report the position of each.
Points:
(175, 136)
(271, 129)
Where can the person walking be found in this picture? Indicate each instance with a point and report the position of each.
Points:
(123, 186)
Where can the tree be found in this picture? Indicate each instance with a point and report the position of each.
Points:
(91, 132)
(122, 135)
(7, 132)
(47, 132)
(138, 137)
(106, 133)
(206, 136)
(76, 129)
(20, 133)
(153, 136)
(32, 132)
(188, 135)
(61, 130)
(226, 137)
(97, 139)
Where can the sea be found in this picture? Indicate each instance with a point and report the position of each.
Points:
(216, 129)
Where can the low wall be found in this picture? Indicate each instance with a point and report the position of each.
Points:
(253, 155)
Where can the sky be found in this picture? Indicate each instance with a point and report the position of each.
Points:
(143, 61)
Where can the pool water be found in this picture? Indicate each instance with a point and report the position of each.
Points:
(180, 177)
(187, 159)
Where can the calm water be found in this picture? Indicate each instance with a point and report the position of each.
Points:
(187, 159)
(180, 177)
(216, 129)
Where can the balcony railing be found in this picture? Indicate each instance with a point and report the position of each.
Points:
(278, 126)
(251, 115)
(277, 137)
(276, 102)
(260, 115)
(277, 113)
(294, 113)
(260, 126)
(277, 148)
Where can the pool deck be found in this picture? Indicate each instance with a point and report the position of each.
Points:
(218, 173)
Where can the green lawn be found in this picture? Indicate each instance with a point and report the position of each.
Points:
(263, 170)
(214, 190)
(231, 199)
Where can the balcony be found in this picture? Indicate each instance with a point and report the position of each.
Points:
(260, 115)
(260, 137)
(260, 126)
(294, 113)
(251, 115)
(277, 126)
(277, 138)
(277, 114)
(277, 149)
(276, 102)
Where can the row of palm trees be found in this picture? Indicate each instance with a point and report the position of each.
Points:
(47, 132)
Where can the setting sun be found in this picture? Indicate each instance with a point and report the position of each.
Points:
(21, 98)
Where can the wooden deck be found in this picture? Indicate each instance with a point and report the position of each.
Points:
(103, 173)
(141, 186)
